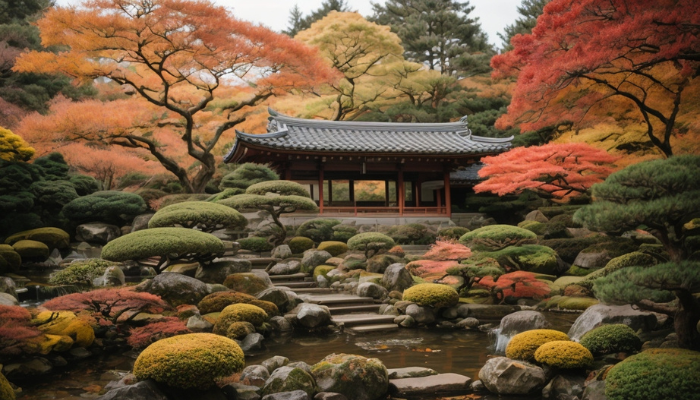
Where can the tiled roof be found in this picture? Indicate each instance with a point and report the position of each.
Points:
(468, 174)
(310, 135)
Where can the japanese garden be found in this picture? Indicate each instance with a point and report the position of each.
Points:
(370, 203)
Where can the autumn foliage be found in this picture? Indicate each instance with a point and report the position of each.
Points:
(560, 171)
(15, 328)
(444, 250)
(142, 336)
(518, 284)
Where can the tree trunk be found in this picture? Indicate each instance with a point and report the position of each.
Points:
(686, 321)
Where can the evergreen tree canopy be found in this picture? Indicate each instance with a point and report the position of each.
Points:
(529, 10)
(298, 22)
(439, 33)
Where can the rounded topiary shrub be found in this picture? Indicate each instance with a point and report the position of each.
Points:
(269, 307)
(202, 215)
(496, 237)
(217, 301)
(247, 174)
(333, 248)
(633, 259)
(54, 238)
(31, 249)
(12, 259)
(256, 244)
(370, 242)
(246, 282)
(524, 345)
(609, 339)
(564, 355)
(454, 232)
(107, 206)
(283, 188)
(300, 244)
(655, 374)
(411, 234)
(190, 361)
(239, 330)
(431, 294)
(237, 313)
(318, 229)
(538, 228)
(529, 257)
(343, 232)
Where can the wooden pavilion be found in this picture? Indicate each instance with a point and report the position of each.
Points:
(412, 161)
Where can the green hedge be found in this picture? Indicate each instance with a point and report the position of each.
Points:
(176, 243)
(411, 234)
(107, 206)
(496, 237)
(343, 233)
(81, 272)
(205, 216)
(256, 244)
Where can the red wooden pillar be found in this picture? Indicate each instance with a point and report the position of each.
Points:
(438, 199)
(448, 197)
(320, 189)
(401, 192)
(417, 193)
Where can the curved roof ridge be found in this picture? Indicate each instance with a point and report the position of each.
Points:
(486, 139)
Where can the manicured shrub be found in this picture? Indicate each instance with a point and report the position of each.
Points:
(31, 249)
(84, 185)
(496, 237)
(143, 336)
(168, 243)
(188, 361)
(411, 234)
(568, 249)
(225, 194)
(569, 303)
(563, 355)
(269, 307)
(283, 188)
(344, 232)
(444, 250)
(54, 166)
(217, 301)
(15, 329)
(524, 345)
(318, 229)
(614, 247)
(655, 374)
(609, 339)
(202, 215)
(334, 248)
(81, 272)
(557, 226)
(256, 244)
(151, 196)
(6, 391)
(529, 257)
(246, 175)
(11, 257)
(239, 330)
(239, 312)
(370, 243)
(518, 284)
(245, 282)
(632, 259)
(171, 199)
(431, 294)
(430, 268)
(107, 206)
(300, 244)
(55, 238)
(452, 233)
(53, 195)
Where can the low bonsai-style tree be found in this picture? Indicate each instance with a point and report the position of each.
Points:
(206, 217)
(518, 284)
(275, 197)
(318, 229)
(496, 237)
(370, 243)
(170, 244)
(246, 175)
(107, 206)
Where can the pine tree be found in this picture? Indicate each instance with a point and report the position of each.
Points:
(298, 23)
(530, 10)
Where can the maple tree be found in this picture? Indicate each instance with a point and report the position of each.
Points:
(142, 336)
(519, 284)
(15, 329)
(444, 250)
(560, 171)
(582, 53)
(180, 56)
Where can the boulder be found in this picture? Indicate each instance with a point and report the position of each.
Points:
(329, 396)
(288, 379)
(113, 276)
(196, 323)
(592, 260)
(252, 342)
(27, 369)
(189, 269)
(521, 321)
(564, 387)
(441, 384)
(254, 375)
(280, 324)
(97, 232)
(293, 395)
(468, 323)
(422, 315)
(7, 299)
(372, 290)
(272, 363)
(397, 277)
(218, 271)
(252, 282)
(283, 298)
(312, 315)
(485, 311)
(595, 391)
(356, 377)
(282, 252)
(280, 269)
(537, 216)
(600, 314)
(175, 288)
(504, 376)
(239, 391)
(410, 372)
(144, 390)
(141, 222)
(7, 285)
(314, 258)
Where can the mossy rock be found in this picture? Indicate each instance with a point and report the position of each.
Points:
(47, 343)
(431, 294)
(65, 323)
(81, 272)
(11, 257)
(452, 233)
(569, 303)
(54, 238)
(300, 244)
(256, 244)
(323, 270)
(563, 281)
(568, 249)
(237, 313)
(239, 330)
(190, 361)
(531, 258)
(269, 307)
(496, 237)
(575, 270)
(354, 376)
(246, 282)
(216, 302)
(611, 339)
(6, 391)
(380, 262)
(564, 355)
(411, 234)
(334, 248)
(176, 243)
(538, 228)
(655, 374)
(204, 216)
(524, 345)
(289, 379)
(31, 249)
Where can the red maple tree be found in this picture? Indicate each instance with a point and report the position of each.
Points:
(554, 170)
(583, 52)
(445, 250)
(15, 328)
(518, 284)
(142, 336)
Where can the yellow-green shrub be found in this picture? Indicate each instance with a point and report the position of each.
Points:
(6, 392)
(31, 249)
(239, 330)
(65, 323)
(300, 244)
(55, 238)
(334, 248)
(217, 301)
(193, 360)
(431, 294)
(564, 355)
(524, 345)
(239, 312)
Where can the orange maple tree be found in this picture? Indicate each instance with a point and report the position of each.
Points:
(181, 56)
(559, 171)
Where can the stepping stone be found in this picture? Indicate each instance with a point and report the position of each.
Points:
(363, 319)
(312, 290)
(338, 299)
(410, 372)
(293, 277)
(374, 328)
(295, 284)
(336, 310)
(439, 384)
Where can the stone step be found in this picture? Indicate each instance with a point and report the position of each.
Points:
(289, 278)
(312, 290)
(363, 319)
(338, 299)
(429, 386)
(373, 328)
(295, 284)
(338, 310)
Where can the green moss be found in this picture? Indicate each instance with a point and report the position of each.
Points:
(55, 238)
(245, 282)
(256, 244)
(532, 258)
(538, 228)
(81, 272)
(333, 248)
(176, 243)
(655, 374)
(13, 259)
(453, 233)
(354, 376)
(524, 345)
(216, 302)
(108, 206)
(269, 307)
(568, 303)
(6, 391)
(610, 339)
(239, 330)
(431, 294)
(239, 312)
(632, 259)
(323, 270)
(496, 237)
(563, 355)
(202, 215)
(31, 249)
(318, 229)
(193, 360)
(300, 244)
(296, 379)
(575, 270)
(370, 242)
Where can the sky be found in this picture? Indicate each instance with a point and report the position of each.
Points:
(494, 15)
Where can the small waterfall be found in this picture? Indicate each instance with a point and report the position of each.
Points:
(500, 340)
(512, 324)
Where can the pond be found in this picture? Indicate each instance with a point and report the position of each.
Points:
(462, 352)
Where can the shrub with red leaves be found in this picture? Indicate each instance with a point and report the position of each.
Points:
(429, 268)
(518, 284)
(142, 336)
(446, 250)
(15, 329)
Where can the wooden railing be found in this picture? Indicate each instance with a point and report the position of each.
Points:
(356, 210)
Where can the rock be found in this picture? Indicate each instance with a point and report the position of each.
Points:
(288, 379)
(592, 260)
(294, 395)
(144, 390)
(521, 321)
(334, 261)
(196, 323)
(314, 258)
(126, 380)
(27, 369)
(422, 315)
(252, 282)
(218, 271)
(97, 232)
(282, 252)
(280, 324)
(468, 323)
(502, 375)
(372, 290)
(275, 362)
(252, 341)
(79, 353)
(485, 311)
(322, 281)
(113, 276)
(189, 269)
(312, 315)
(440, 384)
(283, 298)
(478, 386)
(402, 305)
(254, 375)
(405, 321)
(141, 222)
(175, 288)
(7, 285)
(7, 299)
(578, 232)
(600, 314)
(410, 372)
(356, 377)
(300, 364)
(279, 269)
(564, 387)
(595, 391)
(243, 392)
(396, 277)
(329, 396)
(536, 215)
